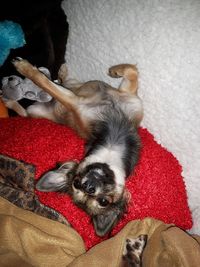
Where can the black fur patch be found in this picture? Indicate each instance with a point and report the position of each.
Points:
(114, 128)
(107, 176)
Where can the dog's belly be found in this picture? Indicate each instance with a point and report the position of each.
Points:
(132, 107)
(91, 113)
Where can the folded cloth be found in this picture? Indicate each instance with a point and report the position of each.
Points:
(27, 240)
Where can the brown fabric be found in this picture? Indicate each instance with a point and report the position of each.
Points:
(17, 186)
(171, 247)
(27, 239)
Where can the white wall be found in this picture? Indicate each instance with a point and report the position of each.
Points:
(163, 39)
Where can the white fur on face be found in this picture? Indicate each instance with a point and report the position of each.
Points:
(79, 196)
(110, 155)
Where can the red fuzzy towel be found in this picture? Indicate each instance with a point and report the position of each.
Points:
(156, 186)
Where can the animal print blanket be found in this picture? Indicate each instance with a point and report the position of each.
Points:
(17, 186)
(27, 239)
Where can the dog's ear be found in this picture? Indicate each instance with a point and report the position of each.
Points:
(51, 181)
(103, 223)
(58, 180)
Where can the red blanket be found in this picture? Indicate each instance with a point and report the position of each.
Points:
(156, 186)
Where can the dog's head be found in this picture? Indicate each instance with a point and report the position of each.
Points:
(93, 188)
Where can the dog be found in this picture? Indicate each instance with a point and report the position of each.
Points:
(108, 119)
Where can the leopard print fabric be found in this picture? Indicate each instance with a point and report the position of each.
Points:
(17, 186)
(133, 250)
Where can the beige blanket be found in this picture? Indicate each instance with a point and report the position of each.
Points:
(28, 239)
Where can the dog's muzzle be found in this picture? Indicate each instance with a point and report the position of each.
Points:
(89, 185)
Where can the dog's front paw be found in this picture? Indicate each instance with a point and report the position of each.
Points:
(23, 67)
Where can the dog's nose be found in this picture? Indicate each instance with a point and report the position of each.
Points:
(10, 79)
(88, 187)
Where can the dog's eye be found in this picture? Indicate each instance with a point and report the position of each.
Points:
(103, 202)
(77, 184)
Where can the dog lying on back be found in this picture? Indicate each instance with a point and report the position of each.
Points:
(108, 118)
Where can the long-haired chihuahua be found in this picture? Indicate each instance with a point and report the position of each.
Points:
(108, 118)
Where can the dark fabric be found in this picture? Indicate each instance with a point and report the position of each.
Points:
(45, 28)
(17, 186)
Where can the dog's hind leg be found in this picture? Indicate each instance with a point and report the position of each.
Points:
(65, 81)
(129, 73)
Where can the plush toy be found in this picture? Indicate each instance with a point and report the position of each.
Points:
(11, 37)
(14, 88)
